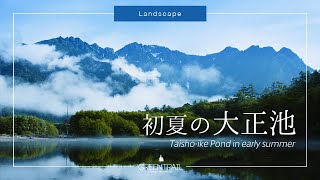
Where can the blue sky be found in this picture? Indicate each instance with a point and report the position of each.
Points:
(219, 31)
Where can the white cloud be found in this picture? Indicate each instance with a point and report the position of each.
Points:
(121, 65)
(80, 93)
(154, 95)
(41, 54)
(6, 51)
(69, 62)
(202, 75)
(37, 54)
(215, 98)
(5, 91)
(83, 94)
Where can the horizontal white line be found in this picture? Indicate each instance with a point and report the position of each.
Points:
(60, 13)
(304, 166)
(111, 13)
(295, 13)
(134, 166)
(15, 166)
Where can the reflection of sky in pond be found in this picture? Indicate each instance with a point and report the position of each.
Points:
(134, 172)
(125, 151)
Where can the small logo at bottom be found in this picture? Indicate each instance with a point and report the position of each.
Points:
(161, 159)
(160, 167)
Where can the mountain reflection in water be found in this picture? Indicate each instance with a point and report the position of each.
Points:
(121, 158)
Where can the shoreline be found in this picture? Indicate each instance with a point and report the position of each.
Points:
(9, 138)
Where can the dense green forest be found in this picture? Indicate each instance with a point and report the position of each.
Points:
(278, 97)
(101, 123)
(28, 126)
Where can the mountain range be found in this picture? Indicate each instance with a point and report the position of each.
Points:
(221, 73)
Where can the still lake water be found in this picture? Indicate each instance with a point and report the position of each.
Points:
(126, 158)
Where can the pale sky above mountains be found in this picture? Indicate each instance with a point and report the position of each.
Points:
(241, 31)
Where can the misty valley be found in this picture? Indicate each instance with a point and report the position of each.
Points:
(79, 105)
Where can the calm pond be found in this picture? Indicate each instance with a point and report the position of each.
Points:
(138, 158)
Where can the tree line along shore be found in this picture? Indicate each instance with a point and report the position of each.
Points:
(277, 97)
